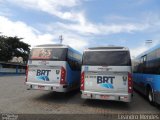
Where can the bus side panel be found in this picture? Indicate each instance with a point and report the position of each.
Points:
(73, 77)
(156, 87)
(153, 81)
(142, 80)
(139, 82)
(156, 83)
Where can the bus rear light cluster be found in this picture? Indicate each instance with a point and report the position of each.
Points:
(82, 81)
(130, 83)
(63, 76)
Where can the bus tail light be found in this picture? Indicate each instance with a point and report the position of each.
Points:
(82, 81)
(130, 83)
(26, 73)
(63, 76)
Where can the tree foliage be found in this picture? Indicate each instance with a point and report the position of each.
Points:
(13, 47)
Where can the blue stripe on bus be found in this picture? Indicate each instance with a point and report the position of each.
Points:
(144, 79)
(73, 77)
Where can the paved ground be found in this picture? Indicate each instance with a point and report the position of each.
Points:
(14, 98)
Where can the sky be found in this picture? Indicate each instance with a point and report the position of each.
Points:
(83, 23)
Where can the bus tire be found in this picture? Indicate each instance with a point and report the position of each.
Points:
(150, 96)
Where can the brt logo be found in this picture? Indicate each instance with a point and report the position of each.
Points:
(43, 72)
(43, 75)
(105, 81)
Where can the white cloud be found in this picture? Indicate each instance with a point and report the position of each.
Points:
(122, 28)
(88, 28)
(76, 41)
(53, 7)
(147, 23)
(76, 24)
(80, 28)
(34, 37)
(143, 47)
(79, 23)
(22, 30)
(137, 51)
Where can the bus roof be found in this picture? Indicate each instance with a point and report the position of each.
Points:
(53, 45)
(56, 46)
(148, 51)
(107, 48)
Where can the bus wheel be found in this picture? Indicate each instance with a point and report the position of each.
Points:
(150, 96)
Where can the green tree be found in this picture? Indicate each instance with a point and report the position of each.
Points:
(13, 46)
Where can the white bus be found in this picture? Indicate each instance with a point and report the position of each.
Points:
(106, 74)
(54, 67)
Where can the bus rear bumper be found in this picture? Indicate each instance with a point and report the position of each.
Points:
(106, 96)
(47, 87)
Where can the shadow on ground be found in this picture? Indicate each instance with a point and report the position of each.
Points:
(69, 98)
(145, 98)
(74, 97)
(57, 97)
(107, 104)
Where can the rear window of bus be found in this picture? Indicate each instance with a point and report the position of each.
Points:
(58, 54)
(107, 58)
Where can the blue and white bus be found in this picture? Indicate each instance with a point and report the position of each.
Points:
(147, 74)
(106, 74)
(54, 67)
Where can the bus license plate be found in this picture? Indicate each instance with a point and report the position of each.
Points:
(104, 96)
(41, 87)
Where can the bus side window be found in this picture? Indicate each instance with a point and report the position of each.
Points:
(73, 61)
(70, 60)
(144, 58)
(76, 57)
(143, 64)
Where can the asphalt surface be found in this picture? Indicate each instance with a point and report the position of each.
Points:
(15, 98)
